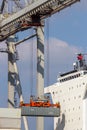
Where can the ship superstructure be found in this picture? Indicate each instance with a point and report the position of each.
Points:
(70, 91)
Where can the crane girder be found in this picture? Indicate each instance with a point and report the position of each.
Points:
(41, 8)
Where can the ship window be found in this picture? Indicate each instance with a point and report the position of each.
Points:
(83, 83)
(53, 92)
(75, 76)
(73, 108)
(63, 100)
(74, 97)
(78, 74)
(79, 118)
(85, 73)
(79, 107)
(72, 77)
(60, 80)
(79, 96)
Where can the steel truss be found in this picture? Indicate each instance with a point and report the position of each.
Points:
(40, 9)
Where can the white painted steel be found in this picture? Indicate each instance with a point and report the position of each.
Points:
(10, 119)
(19, 89)
(10, 112)
(70, 94)
(11, 123)
(10, 129)
(18, 85)
(32, 8)
(11, 78)
(40, 71)
(85, 114)
(42, 8)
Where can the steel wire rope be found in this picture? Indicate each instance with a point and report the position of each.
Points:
(47, 53)
(31, 66)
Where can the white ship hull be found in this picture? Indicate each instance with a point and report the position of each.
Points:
(72, 96)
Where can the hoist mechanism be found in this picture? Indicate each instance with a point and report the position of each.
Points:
(38, 102)
(32, 15)
(40, 107)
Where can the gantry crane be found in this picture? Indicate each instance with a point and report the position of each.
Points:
(33, 15)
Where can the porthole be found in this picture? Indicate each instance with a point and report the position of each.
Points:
(74, 97)
(73, 108)
(79, 118)
(63, 100)
(53, 92)
(83, 83)
(79, 96)
(79, 107)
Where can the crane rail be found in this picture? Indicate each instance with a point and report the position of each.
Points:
(41, 8)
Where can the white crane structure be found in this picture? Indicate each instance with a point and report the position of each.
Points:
(32, 14)
(36, 11)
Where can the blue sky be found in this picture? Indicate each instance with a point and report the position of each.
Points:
(67, 36)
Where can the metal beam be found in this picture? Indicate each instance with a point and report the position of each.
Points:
(13, 77)
(40, 71)
(42, 8)
(11, 72)
(27, 38)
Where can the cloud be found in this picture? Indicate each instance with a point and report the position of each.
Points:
(61, 57)
(61, 50)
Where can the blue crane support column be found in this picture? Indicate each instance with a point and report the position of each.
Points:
(40, 71)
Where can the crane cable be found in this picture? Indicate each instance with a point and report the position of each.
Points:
(31, 89)
(47, 53)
